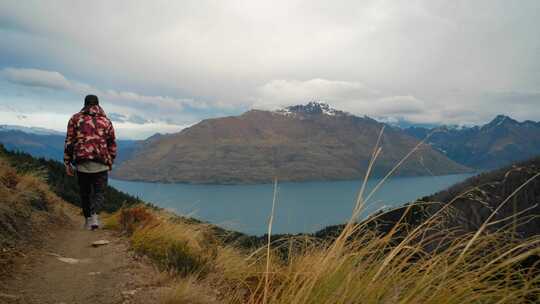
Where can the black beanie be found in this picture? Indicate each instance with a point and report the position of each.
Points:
(91, 100)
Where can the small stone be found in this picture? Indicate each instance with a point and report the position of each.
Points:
(100, 243)
(129, 292)
(94, 273)
(68, 260)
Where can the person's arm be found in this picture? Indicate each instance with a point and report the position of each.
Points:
(69, 145)
(111, 144)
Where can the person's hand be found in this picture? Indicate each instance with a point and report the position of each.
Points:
(69, 170)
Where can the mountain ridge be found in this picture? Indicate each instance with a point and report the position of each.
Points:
(50, 145)
(497, 143)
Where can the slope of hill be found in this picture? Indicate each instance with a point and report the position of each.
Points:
(305, 142)
(66, 187)
(498, 143)
(49, 144)
(475, 199)
(25, 203)
(470, 203)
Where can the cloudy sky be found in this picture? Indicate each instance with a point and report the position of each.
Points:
(164, 65)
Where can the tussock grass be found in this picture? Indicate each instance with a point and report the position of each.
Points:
(20, 195)
(175, 245)
(188, 291)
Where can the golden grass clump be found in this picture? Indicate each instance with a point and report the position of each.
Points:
(174, 244)
(130, 219)
(24, 192)
(188, 290)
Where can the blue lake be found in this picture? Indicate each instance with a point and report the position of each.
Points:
(300, 207)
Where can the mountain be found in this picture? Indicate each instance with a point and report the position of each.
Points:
(303, 142)
(29, 130)
(496, 144)
(49, 144)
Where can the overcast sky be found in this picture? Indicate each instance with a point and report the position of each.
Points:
(163, 65)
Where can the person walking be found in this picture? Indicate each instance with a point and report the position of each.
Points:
(90, 150)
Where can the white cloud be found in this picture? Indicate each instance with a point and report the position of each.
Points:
(54, 121)
(55, 80)
(353, 97)
(426, 59)
(286, 92)
(142, 131)
(37, 78)
(58, 122)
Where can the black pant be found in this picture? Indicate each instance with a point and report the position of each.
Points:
(92, 189)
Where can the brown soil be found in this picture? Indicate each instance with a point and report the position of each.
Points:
(106, 274)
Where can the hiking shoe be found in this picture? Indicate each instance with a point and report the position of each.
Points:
(87, 221)
(94, 222)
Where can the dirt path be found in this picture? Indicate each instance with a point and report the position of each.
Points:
(106, 274)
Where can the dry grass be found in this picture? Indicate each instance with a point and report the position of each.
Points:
(426, 264)
(188, 291)
(174, 244)
(23, 194)
(370, 268)
(26, 204)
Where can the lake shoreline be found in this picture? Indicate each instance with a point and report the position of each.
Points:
(359, 179)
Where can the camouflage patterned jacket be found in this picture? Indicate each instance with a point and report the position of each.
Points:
(90, 136)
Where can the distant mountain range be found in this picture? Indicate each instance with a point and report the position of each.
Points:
(303, 142)
(40, 142)
(29, 130)
(496, 144)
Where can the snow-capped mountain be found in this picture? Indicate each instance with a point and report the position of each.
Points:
(302, 142)
(311, 108)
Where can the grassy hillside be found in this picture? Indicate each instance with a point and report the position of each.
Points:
(26, 206)
(358, 266)
(64, 186)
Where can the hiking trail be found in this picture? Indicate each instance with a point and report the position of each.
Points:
(67, 269)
